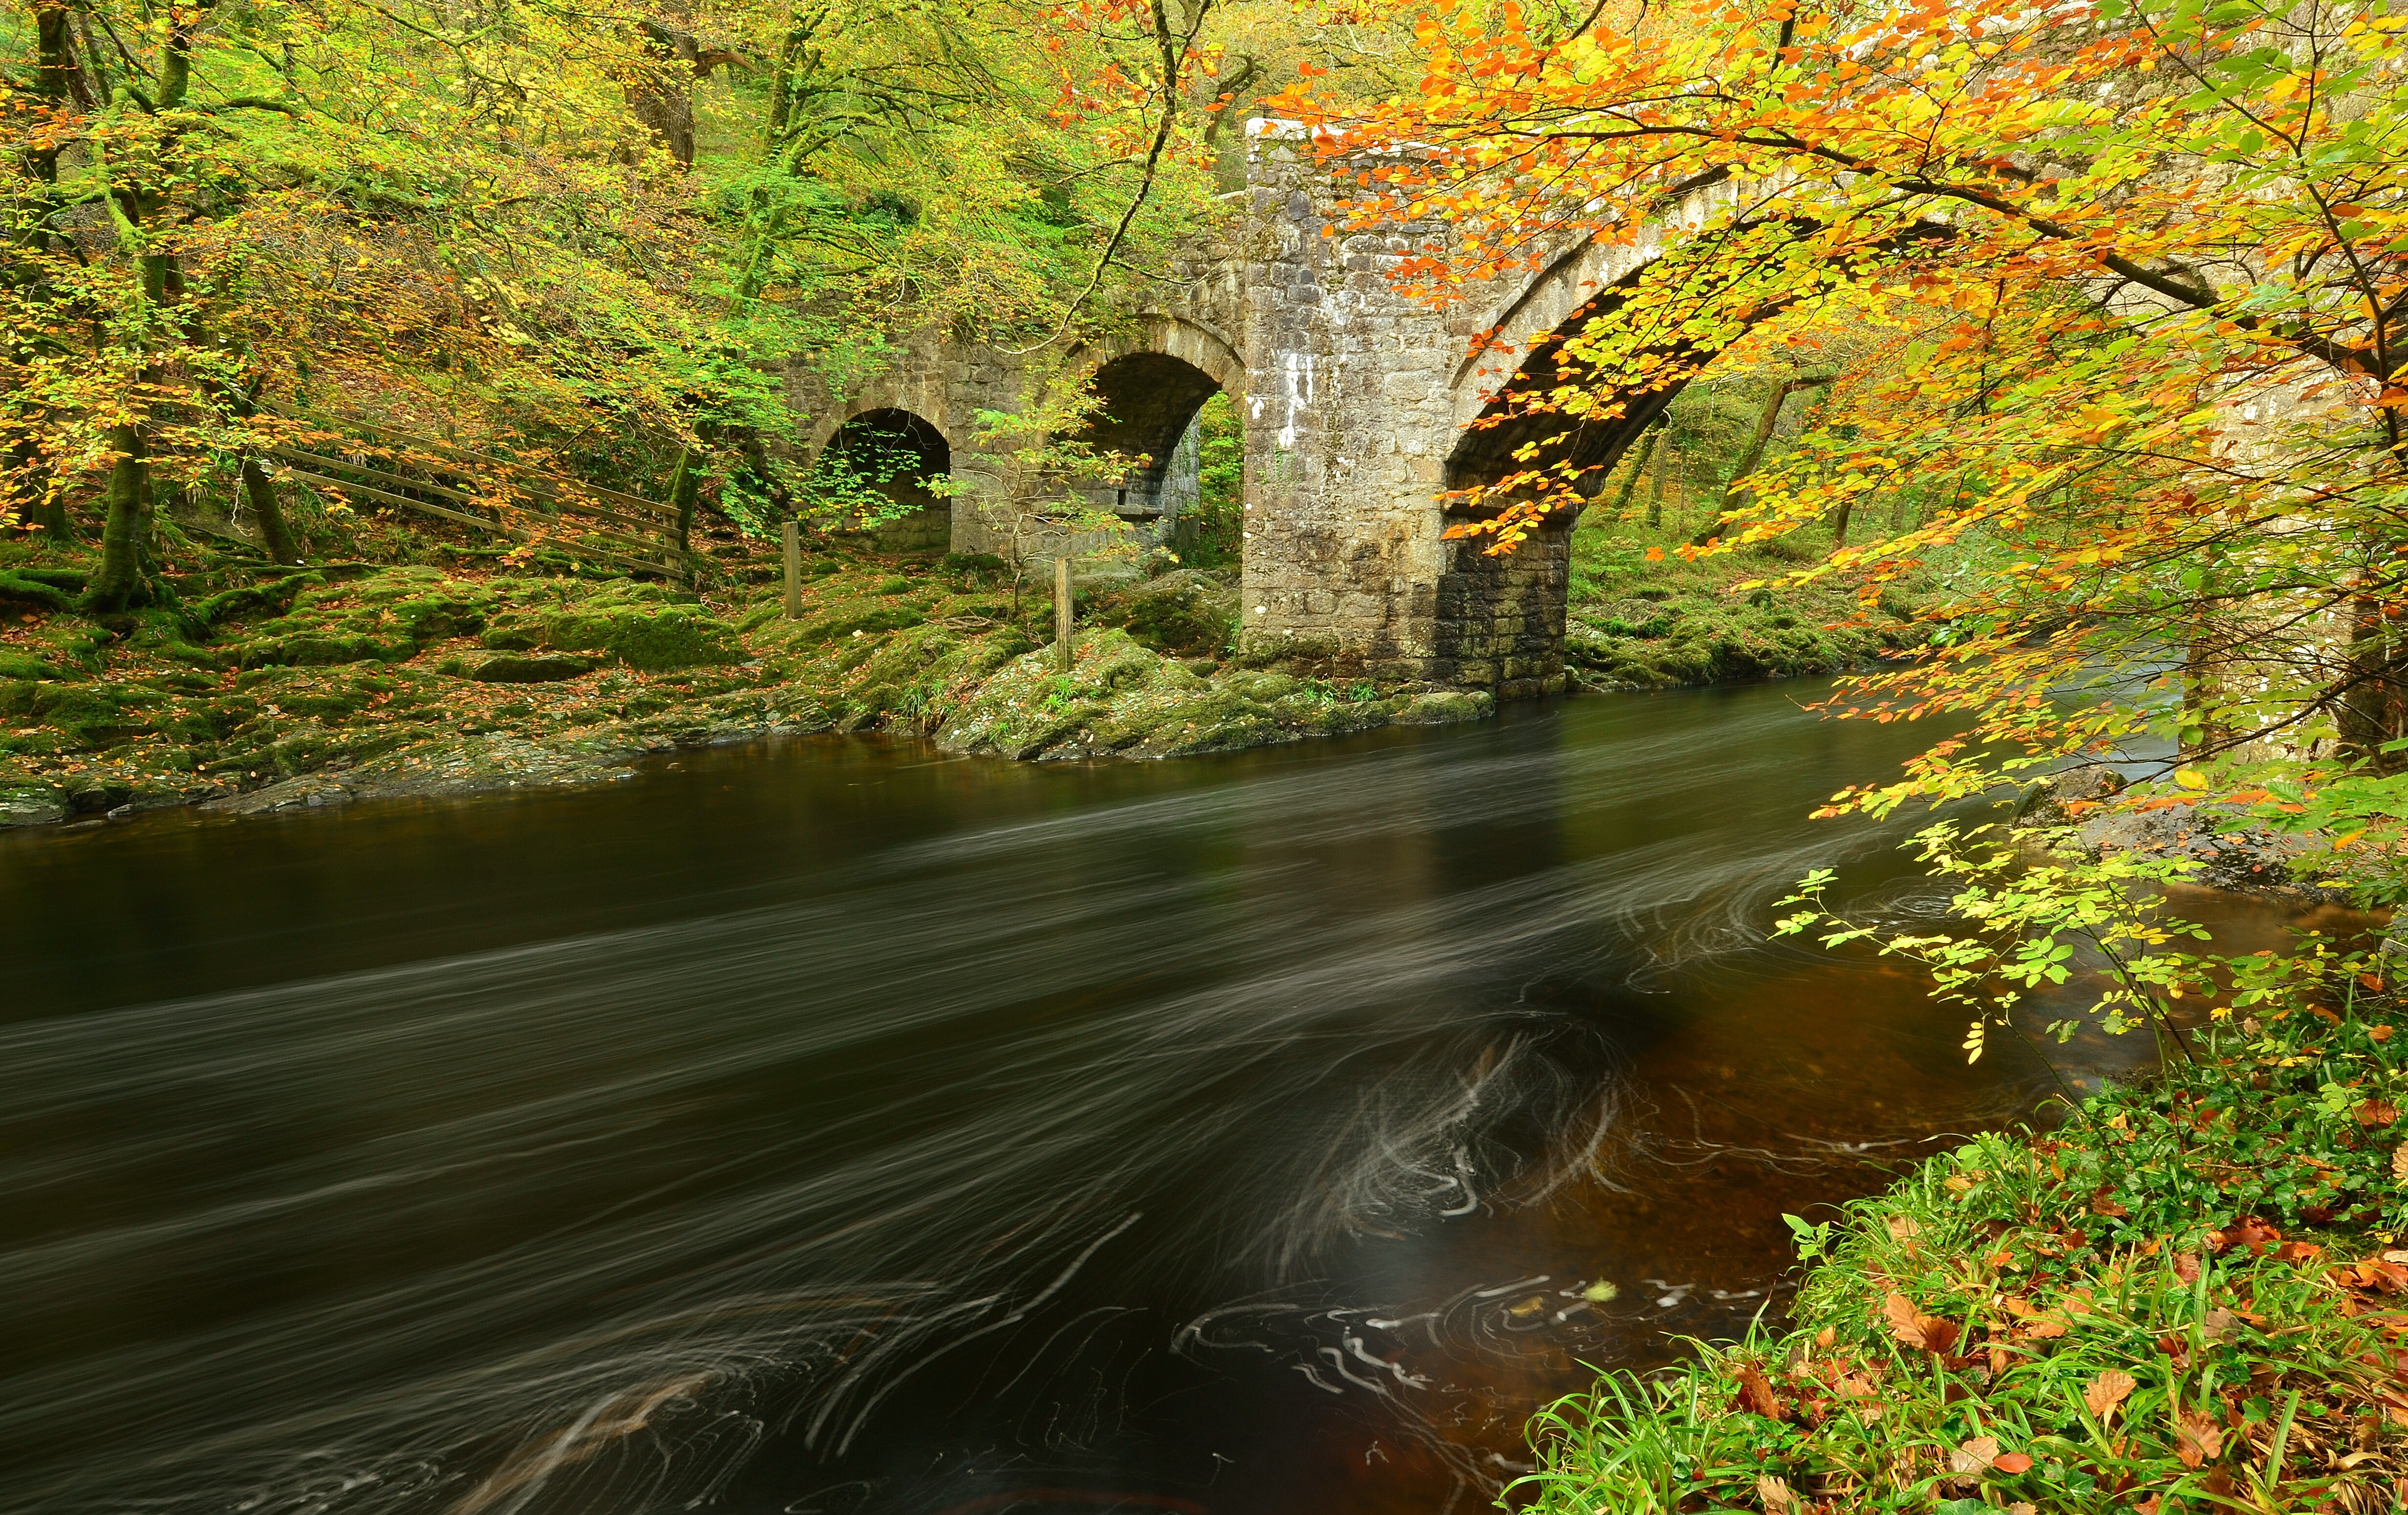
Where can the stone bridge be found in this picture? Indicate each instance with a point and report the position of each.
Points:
(1361, 409)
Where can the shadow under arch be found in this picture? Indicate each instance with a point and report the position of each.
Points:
(897, 455)
(1149, 405)
(1501, 618)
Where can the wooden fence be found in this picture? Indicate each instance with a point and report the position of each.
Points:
(365, 460)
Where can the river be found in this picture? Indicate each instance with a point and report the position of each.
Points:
(827, 1126)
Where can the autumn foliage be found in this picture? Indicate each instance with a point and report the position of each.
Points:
(2125, 285)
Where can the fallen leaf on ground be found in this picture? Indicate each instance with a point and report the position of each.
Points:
(2107, 1390)
(2376, 1113)
(1916, 1329)
(1974, 1456)
(1776, 1494)
(2379, 1274)
(1755, 1394)
(2014, 1462)
(2196, 1439)
(2249, 1231)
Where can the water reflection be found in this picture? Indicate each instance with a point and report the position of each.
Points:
(828, 1127)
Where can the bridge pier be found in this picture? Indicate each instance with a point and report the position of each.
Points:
(1348, 425)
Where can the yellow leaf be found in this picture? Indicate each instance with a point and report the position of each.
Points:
(2190, 778)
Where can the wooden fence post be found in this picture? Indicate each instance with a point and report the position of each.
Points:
(794, 570)
(1062, 649)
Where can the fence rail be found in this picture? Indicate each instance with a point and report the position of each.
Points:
(426, 475)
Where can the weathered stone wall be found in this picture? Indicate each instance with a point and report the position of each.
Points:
(1348, 423)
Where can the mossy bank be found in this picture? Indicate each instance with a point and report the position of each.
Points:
(246, 686)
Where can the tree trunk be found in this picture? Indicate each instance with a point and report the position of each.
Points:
(1839, 521)
(1655, 481)
(27, 491)
(661, 95)
(1735, 494)
(2206, 736)
(1631, 480)
(273, 534)
(685, 491)
(119, 583)
(2374, 706)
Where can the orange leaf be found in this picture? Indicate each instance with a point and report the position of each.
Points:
(1916, 1329)
(2248, 1231)
(2196, 1439)
(2107, 1390)
(1755, 1394)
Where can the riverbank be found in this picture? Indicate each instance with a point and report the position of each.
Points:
(246, 686)
(2187, 1296)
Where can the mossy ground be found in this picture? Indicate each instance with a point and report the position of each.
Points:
(251, 687)
(424, 664)
(2188, 1297)
(1643, 623)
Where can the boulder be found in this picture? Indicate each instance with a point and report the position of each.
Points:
(1441, 707)
(508, 668)
(32, 804)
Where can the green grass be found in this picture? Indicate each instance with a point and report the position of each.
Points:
(2183, 1299)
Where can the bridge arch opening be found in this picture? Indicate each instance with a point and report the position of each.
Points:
(1150, 406)
(886, 470)
(1501, 618)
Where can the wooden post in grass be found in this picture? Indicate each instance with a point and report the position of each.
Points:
(1062, 609)
(794, 570)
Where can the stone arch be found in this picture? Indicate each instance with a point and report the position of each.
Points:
(1152, 391)
(901, 455)
(1502, 619)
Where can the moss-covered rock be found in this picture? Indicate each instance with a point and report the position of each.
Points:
(93, 716)
(510, 668)
(1441, 707)
(1125, 698)
(646, 626)
(1187, 614)
(322, 649)
(32, 804)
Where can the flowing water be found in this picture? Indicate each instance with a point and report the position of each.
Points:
(826, 1126)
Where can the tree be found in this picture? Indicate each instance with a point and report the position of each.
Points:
(2148, 266)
